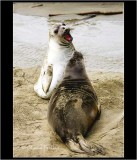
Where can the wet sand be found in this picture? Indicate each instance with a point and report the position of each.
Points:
(103, 53)
(44, 9)
(100, 39)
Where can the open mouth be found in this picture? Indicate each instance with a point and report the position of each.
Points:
(67, 35)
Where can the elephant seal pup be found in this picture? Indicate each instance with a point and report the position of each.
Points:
(60, 50)
(73, 108)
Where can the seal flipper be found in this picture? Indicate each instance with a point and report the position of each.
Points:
(92, 148)
(81, 146)
(84, 146)
(47, 78)
(73, 146)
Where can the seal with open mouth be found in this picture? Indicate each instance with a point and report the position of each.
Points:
(60, 50)
(74, 107)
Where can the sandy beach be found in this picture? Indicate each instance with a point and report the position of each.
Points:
(103, 50)
(33, 136)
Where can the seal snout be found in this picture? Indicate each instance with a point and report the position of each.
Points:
(67, 34)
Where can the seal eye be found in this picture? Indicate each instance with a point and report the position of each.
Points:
(56, 31)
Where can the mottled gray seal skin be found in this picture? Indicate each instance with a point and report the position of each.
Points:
(74, 107)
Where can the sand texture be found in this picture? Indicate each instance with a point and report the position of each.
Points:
(33, 136)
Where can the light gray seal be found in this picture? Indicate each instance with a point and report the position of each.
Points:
(60, 50)
(74, 108)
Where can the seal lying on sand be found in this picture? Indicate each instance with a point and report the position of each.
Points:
(60, 51)
(73, 107)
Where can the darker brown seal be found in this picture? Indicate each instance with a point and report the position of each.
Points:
(74, 107)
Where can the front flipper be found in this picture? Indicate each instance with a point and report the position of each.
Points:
(47, 78)
(42, 85)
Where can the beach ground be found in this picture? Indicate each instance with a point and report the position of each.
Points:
(33, 136)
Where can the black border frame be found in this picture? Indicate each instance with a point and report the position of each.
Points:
(7, 79)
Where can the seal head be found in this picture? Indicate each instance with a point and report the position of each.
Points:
(75, 68)
(61, 32)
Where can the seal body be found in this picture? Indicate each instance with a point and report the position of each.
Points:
(74, 107)
(60, 50)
